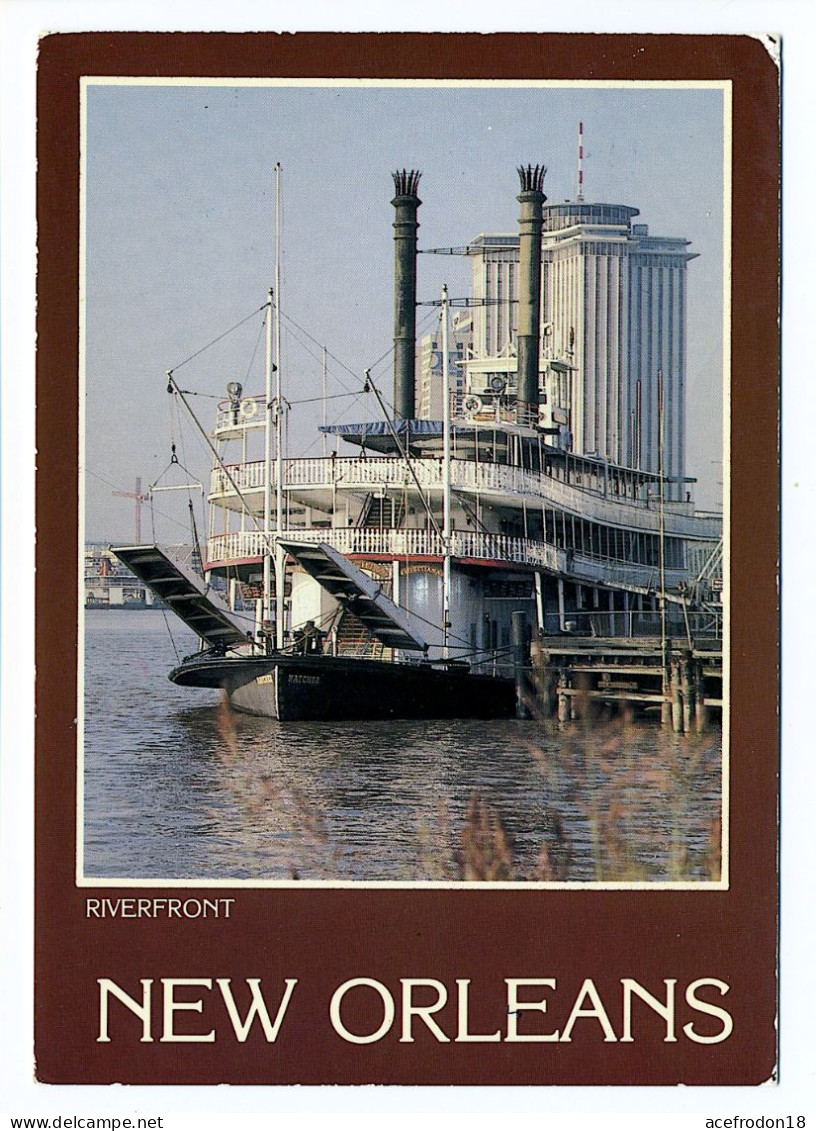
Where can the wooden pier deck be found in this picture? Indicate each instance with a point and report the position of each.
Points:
(575, 674)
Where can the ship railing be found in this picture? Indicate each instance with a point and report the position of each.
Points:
(246, 476)
(378, 472)
(246, 413)
(596, 570)
(250, 544)
(474, 545)
(704, 629)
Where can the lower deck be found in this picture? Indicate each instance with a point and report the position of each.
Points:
(317, 688)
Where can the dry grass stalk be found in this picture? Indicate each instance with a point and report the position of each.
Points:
(486, 849)
(610, 792)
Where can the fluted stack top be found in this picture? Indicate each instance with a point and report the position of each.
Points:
(532, 178)
(406, 182)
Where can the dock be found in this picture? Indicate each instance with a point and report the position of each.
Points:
(573, 677)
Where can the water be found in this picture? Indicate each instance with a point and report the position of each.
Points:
(179, 787)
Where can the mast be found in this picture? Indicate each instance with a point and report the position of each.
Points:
(280, 555)
(662, 512)
(325, 414)
(446, 477)
(580, 162)
(267, 523)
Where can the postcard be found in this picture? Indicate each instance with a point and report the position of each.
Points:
(408, 709)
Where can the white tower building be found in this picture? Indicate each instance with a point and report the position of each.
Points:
(430, 395)
(613, 319)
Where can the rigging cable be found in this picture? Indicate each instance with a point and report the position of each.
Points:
(163, 606)
(198, 557)
(258, 341)
(220, 337)
(404, 453)
(117, 487)
(172, 387)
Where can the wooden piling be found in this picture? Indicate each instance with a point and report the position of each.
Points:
(563, 699)
(543, 679)
(581, 678)
(687, 690)
(676, 698)
(665, 706)
(701, 712)
(520, 659)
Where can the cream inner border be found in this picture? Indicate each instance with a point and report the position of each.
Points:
(681, 84)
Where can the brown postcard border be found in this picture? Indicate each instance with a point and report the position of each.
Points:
(389, 934)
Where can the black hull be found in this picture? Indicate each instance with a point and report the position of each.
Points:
(328, 688)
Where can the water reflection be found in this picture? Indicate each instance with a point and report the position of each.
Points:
(178, 786)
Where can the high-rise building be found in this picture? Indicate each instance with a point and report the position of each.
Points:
(613, 315)
(430, 395)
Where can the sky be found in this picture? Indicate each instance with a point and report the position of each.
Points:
(180, 245)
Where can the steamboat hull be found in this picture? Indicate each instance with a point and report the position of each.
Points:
(332, 688)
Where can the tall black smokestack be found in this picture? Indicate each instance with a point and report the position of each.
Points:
(406, 202)
(531, 198)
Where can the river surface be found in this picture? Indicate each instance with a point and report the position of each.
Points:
(177, 786)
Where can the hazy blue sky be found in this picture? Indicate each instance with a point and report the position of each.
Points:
(180, 240)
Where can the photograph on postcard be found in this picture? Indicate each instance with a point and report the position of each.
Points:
(402, 455)
(406, 407)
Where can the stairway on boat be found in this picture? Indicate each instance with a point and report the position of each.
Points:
(382, 512)
(354, 639)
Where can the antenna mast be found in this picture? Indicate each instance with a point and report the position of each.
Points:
(580, 162)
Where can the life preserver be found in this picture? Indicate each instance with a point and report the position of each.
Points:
(472, 405)
(249, 407)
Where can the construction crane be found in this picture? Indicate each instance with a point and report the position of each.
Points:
(139, 499)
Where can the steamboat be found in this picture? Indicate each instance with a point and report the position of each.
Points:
(431, 568)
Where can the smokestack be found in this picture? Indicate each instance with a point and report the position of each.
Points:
(406, 202)
(531, 198)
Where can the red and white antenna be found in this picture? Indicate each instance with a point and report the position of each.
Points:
(580, 162)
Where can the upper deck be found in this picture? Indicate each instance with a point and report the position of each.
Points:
(591, 495)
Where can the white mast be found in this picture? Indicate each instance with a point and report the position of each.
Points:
(280, 556)
(325, 414)
(446, 477)
(266, 615)
(662, 512)
(580, 162)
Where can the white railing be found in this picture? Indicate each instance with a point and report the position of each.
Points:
(363, 541)
(244, 476)
(247, 413)
(376, 472)
(601, 570)
(351, 474)
(250, 544)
